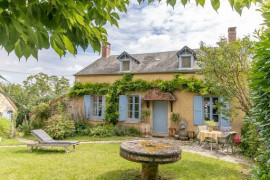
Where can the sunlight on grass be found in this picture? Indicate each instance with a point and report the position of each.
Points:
(86, 138)
(10, 142)
(102, 161)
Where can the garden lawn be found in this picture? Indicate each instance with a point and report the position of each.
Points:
(10, 142)
(102, 161)
(87, 138)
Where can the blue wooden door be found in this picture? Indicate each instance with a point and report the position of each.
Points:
(160, 117)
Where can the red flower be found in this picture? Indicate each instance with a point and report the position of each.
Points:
(237, 140)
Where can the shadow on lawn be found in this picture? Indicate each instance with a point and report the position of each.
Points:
(186, 169)
(133, 174)
(42, 151)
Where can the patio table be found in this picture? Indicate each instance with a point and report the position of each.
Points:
(209, 134)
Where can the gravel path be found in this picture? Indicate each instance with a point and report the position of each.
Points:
(185, 145)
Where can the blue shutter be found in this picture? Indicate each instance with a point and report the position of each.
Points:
(86, 105)
(122, 107)
(225, 120)
(140, 106)
(103, 106)
(198, 110)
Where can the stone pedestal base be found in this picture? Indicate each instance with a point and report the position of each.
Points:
(149, 171)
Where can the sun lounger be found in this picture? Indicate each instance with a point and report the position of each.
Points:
(46, 141)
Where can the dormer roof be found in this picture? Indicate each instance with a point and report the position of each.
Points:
(131, 57)
(187, 49)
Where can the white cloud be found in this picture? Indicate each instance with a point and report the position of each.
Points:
(74, 68)
(145, 28)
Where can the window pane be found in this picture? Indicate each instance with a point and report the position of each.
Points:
(215, 117)
(130, 99)
(136, 115)
(215, 100)
(99, 112)
(215, 110)
(136, 99)
(136, 107)
(206, 116)
(130, 107)
(207, 101)
(126, 65)
(186, 62)
(129, 114)
(95, 109)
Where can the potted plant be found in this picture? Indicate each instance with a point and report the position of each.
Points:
(145, 114)
(175, 118)
(210, 124)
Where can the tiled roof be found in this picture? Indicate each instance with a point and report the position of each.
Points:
(158, 62)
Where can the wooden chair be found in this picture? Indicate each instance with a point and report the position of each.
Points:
(46, 141)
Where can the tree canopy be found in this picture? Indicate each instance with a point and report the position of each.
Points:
(227, 68)
(27, 26)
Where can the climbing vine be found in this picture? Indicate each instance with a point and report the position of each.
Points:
(127, 84)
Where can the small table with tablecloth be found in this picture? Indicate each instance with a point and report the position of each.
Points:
(214, 135)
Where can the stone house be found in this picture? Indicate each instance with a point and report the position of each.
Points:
(7, 107)
(192, 107)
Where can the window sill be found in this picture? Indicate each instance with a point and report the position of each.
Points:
(186, 68)
(131, 122)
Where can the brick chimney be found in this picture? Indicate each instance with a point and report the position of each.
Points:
(231, 34)
(106, 50)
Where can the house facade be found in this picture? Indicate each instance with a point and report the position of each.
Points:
(7, 107)
(192, 107)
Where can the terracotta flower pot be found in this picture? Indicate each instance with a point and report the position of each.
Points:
(172, 132)
(210, 128)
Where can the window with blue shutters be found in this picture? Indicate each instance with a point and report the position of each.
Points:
(98, 106)
(210, 108)
(205, 108)
(134, 107)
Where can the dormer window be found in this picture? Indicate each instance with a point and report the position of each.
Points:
(125, 65)
(186, 62)
(186, 58)
(126, 62)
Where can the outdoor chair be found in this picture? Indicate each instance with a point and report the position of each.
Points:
(225, 130)
(46, 141)
(227, 140)
(201, 128)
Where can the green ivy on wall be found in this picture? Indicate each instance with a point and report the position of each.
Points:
(127, 84)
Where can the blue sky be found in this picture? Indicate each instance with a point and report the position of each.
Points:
(145, 28)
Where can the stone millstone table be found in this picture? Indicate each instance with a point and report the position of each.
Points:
(150, 153)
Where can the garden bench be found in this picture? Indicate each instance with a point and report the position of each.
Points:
(46, 141)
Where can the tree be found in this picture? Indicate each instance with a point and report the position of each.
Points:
(36, 89)
(43, 88)
(260, 86)
(227, 69)
(27, 26)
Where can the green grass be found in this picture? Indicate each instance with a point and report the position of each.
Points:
(10, 141)
(102, 161)
(86, 138)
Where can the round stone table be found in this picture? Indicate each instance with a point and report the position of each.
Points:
(150, 153)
